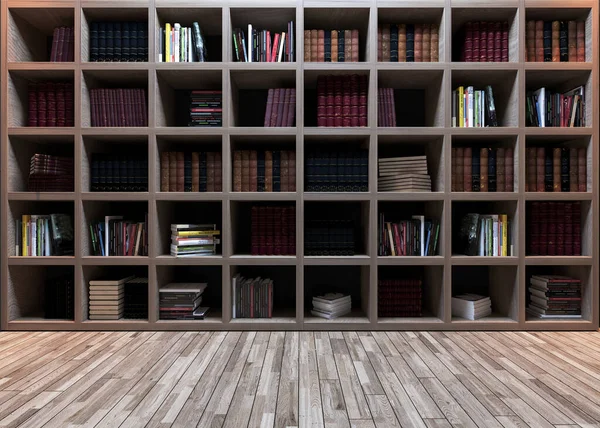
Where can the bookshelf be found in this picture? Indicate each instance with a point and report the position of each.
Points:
(26, 25)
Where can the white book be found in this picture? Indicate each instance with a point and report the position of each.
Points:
(250, 44)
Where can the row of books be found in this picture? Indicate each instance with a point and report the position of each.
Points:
(182, 301)
(330, 238)
(194, 240)
(471, 306)
(262, 46)
(554, 229)
(342, 100)
(113, 299)
(408, 43)
(50, 104)
(118, 107)
(44, 235)
(386, 107)
(119, 173)
(555, 41)
(554, 297)
(252, 297)
(49, 173)
(473, 108)
(191, 172)
(114, 236)
(484, 235)
(281, 107)
(403, 174)
(331, 46)
(63, 44)
(272, 230)
(482, 169)
(264, 171)
(59, 296)
(416, 237)
(119, 41)
(482, 41)
(206, 108)
(337, 171)
(331, 305)
(547, 108)
(556, 169)
(181, 44)
(400, 297)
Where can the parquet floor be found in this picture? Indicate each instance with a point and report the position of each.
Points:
(320, 379)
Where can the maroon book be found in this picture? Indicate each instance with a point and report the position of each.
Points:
(280, 107)
(483, 41)
(269, 109)
(289, 120)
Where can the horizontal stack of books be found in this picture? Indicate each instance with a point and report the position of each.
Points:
(50, 104)
(399, 297)
(556, 169)
(118, 107)
(117, 237)
(329, 238)
(554, 229)
(331, 46)
(331, 305)
(554, 297)
(59, 296)
(471, 306)
(119, 42)
(484, 42)
(206, 108)
(565, 110)
(342, 100)
(408, 43)
(191, 172)
(386, 107)
(252, 297)
(44, 235)
(473, 108)
(48, 173)
(281, 107)
(483, 169)
(264, 171)
(555, 41)
(181, 301)
(485, 235)
(416, 237)
(119, 173)
(181, 44)
(63, 43)
(273, 230)
(403, 174)
(262, 46)
(194, 240)
(135, 299)
(107, 298)
(337, 171)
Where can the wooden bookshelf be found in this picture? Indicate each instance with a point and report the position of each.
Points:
(26, 25)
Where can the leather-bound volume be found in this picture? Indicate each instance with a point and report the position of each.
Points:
(426, 43)
(218, 172)
(172, 172)
(563, 42)
(475, 43)
(285, 171)
(164, 172)
(314, 43)
(582, 170)
(547, 41)
(307, 46)
(531, 159)
(530, 41)
(573, 170)
(500, 170)
(210, 172)
(252, 171)
(320, 45)
(580, 41)
(483, 169)
(347, 45)
(385, 42)
(539, 41)
(418, 42)
(195, 172)
(572, 40)
(334, 46)
(540, 168)
(355, 47)
(468, 170)
(180, 171)
(268, 171)
(556, 169)
(410, 43)
(245, 170)
(460, 168)
(555, 41)
(565, 185)
(292, 171)
(483, 42)
(434, 43)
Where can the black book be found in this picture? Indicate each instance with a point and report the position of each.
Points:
(133, 41)
(276, 171)
(491, 170)
(547, 41)
(187, 172)
(94, 42)
(102, 41)
(109, 41)
(410, 43)
(565, 179)
(125, 32)
(327, 45)
(393, 43)
(203, 165)
(341, 46)
(563, 42)
(117, 38)
(475, 170)
(260, 170)
(143, 41)
(548, 170)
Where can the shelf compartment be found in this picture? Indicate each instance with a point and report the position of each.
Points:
(352, 280)
(500, 283)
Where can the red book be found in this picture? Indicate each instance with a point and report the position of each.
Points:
(467, 170)
(476, 38)
(483, 42)
(269, 109)
(468, 46)
(580, 36)
(280, 106)
(289, 120)
(275, 107)
(509, 170)
(582, 170)
(505, 42)
(54, 50)
(286, 106)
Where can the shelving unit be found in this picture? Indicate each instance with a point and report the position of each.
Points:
(25, 26)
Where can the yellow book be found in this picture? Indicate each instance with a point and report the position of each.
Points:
(24, 238)
(461, 106)
(504, 234)
(167, 42)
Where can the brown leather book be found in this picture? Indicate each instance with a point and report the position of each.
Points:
(180, 172)
(245, 170)
(483, 169)
(580, 41)
(320, 45)
(460, 168)
(172, 171)
(253, 171)
(582, 169)
(418, 42)
(500, 170)
(218, 173)
(385, 43)
(314, 41)
(556, 152)
(540, 170)
(434, 43)
(555, 42)
(531, 155)
(426, 43)
(195, 172)
(164, 172)
(306, 45)
(530, 41)
(379, 41)
(468, 170)
(284, 171)
(237, 171)
(539, 41)
(334, 46)
(347, 45)
(573, 170)
(572, 40)
(355, 48)
(453, 170)
(210, 172)
(509, 170)
(268, 171)
(292, 171)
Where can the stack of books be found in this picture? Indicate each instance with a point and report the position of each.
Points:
(44, 235)
(416, 237)
(48, 173)
(555, 41)
(331, 46)
(59, 296)
(483, 169)
(342, 100)
(206, 108)
(62, 45)
(281, 107)
(545, 108)
(50, 104)
(262, 46)
(485, 235)
(135, 299)
(471, 306)
(181, 301)
(473, 108)
(252, 297)
(273, 230)
(264, 171)
(386, 107)
(117, 237)
(408, 43)
(331, 305)
(556, 169)
(484, 42)
(399, 297)
(194, 240)
(329, 238)
(181, 44)
(107, 298)
(403, 174)
(554, 229)
(191, 172)
(119, 173)
(119, 42)
(337, 171)
(118, 107)
(554, 297)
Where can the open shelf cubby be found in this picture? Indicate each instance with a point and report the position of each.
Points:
(285, 250)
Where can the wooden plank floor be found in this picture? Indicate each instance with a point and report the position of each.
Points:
(300, 379)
